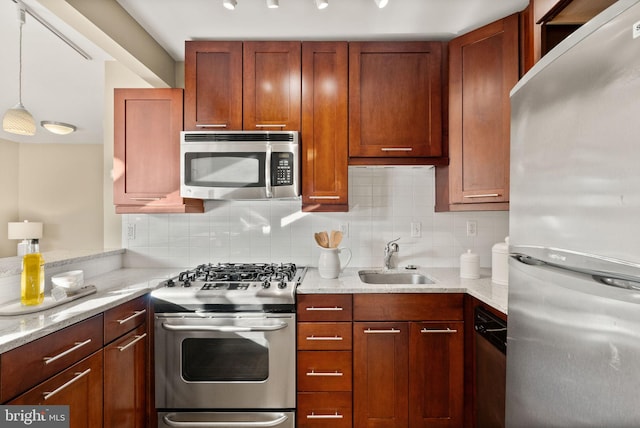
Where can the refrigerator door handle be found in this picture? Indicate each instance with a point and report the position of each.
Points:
(618, 282)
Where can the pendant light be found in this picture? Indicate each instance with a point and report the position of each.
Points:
(18, 120)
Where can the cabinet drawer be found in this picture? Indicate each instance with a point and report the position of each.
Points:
(408, 307)
(324, 336)
(324, 307)
(324, 410)
(324, 371)
(79, 387)
(124, 318)
(28, 365)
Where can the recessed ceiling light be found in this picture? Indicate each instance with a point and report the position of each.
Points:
(322, 4)
(381, 3)
(273, 4)
(59, 128)
(230, 4)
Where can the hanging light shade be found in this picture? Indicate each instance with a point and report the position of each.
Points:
(18, 120)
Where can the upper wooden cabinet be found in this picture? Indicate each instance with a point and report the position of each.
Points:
(236, 85)
(213, 85)
(324, 126)
(483, 67)
(146, 150)
(395, 102)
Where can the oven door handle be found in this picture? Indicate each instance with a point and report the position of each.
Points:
(224, 328)
(172, 423)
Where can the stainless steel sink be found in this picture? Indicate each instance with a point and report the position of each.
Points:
(378, 277)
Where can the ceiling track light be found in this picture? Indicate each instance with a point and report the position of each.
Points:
(381, 3)
(322, 4)
(273, 4)
(18, 120)
(230, 4)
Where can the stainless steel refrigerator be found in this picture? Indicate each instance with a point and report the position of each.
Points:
(573, 342)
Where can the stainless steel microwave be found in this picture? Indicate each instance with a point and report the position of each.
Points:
(239, 164)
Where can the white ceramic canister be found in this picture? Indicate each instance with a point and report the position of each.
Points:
(500, 262)
(329, 262)
(469, 265)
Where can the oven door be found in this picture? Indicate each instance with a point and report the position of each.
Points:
(226, 419)
(225, 361)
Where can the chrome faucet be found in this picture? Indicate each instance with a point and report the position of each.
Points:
(389, 249)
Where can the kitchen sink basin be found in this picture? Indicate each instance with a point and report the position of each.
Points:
(378, 277)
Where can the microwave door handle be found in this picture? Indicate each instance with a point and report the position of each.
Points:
(267, 173)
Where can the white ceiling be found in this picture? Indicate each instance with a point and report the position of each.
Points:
(60, 85)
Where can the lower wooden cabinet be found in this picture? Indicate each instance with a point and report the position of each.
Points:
(79, 387)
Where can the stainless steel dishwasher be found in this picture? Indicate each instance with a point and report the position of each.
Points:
(491, 364)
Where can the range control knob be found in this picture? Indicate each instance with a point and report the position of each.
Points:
(282, 284)
(186, 283)
(170, 283)
(266, 284)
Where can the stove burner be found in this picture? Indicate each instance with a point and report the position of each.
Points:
(239, 272)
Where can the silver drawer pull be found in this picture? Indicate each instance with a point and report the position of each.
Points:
(138, 337)
(78, 345)
(169, 421)
(211, 125)
(275, 125)
(324, 197)
(135, 314)
(426, 330)
(320, 338)
(78, 375)
(146, 199)
(335, 308)
(324, 374)
(486, 195)
(334, 416)
(391, 330)
(396, 149)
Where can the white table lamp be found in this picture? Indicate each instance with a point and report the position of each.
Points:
(25, 230)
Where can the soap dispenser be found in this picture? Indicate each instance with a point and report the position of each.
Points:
(32, 278)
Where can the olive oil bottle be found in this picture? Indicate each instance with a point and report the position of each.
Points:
(32, 279)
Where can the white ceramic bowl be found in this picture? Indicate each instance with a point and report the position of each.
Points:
(71, 280)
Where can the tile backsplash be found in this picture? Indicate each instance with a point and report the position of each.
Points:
(384, 202)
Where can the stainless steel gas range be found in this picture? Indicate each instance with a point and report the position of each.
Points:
(225, 346)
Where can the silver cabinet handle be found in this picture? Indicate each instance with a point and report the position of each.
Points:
(138, 337)
(273, 423)
(78, 375)
(211, 125)
(313, 308)
(396, 149)
(324, 197)
(334, 416)
(146, 199)
(448, 330)
(324, 374)
(390, 330)
(260, 125)
(320, 338)
(224, 328)
(78, 345)
(135, 314)
(486, 195)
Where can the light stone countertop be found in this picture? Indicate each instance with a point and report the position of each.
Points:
(447, 280)
(114, 288)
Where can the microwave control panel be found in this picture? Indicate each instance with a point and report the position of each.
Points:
(282, 167)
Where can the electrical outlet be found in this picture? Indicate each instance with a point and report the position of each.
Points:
(131, 232)
(416, 229)
(344, 228)
(636, 30)
(472, 228)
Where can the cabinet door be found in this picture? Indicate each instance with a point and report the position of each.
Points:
(395, 102)
(146, 164)
(125, 384)
(484, 66)
(324, 126)
(213, 85)
(79, 387)
(271, 83)
(380, 374)
(436, 367)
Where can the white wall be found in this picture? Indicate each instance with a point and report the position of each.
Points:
(8, 194)
(384, 201)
